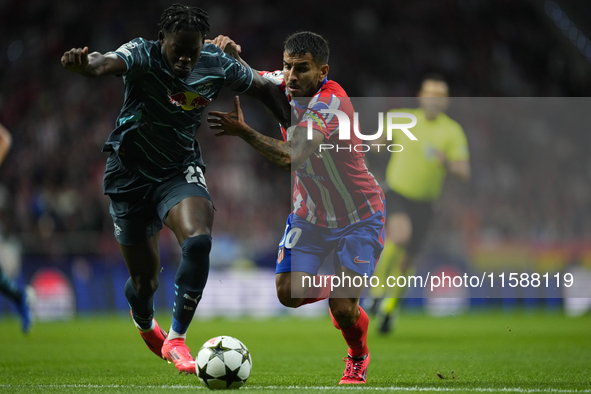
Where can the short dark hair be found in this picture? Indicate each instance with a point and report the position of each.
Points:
(181, 17)
(304, 42)
(434, 76)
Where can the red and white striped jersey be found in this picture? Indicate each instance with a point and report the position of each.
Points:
(336, 189)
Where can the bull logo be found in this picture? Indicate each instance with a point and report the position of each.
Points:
(188, 100)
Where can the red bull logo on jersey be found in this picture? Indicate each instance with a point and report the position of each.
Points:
(188, 100)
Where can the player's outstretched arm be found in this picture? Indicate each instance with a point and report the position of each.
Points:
(228, 45)
(272, 98)
(261, 88)
(289, 155)
(94, 64)
(5, 142)
(232, 123)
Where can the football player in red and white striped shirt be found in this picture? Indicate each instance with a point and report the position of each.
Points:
(338, 205)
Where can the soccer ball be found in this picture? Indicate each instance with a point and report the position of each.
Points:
(223, 363)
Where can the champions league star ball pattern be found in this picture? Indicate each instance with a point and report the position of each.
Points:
(223, 363)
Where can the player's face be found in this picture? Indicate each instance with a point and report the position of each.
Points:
(433, 97)
(181, 50)
(302, 75)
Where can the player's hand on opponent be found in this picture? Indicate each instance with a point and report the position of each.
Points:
(227, 45)
(230, 123)
(76, 59)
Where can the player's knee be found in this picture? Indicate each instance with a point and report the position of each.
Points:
(145, 286)
(285, 297)
(289, 291)
(194, 268)
(197, 247)
(344, 311)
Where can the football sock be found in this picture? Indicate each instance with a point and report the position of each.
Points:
(9, 288)
(190, 281)
(319, 293)
(142, 306)
(356, 335)
(172, 334)
(388, 265)
(145, 329)
(334, 321)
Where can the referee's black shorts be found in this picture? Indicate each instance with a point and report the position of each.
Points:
(420, 214)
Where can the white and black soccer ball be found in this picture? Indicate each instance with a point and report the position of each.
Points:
(223, 363)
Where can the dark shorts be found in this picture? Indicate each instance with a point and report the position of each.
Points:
(140, 206)
(420, 214)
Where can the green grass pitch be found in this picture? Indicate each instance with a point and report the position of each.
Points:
(479, 352)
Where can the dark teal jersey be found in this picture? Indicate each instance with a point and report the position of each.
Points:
(155, 133)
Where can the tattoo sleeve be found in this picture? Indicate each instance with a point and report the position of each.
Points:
(289, 155)
(277, 151)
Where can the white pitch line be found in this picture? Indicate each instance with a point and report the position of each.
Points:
(358, 388)
(394, 388)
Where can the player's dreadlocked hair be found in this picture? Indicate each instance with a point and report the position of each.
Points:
(180, 17)
(304, 42)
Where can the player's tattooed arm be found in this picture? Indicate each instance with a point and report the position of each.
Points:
(276, 151)
(302, 147)
(94, 64)
(289, 155)
(232, 123)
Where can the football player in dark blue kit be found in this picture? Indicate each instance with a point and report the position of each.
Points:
(154, 174)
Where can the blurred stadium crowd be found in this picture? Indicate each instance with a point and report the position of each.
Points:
(531, 186)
